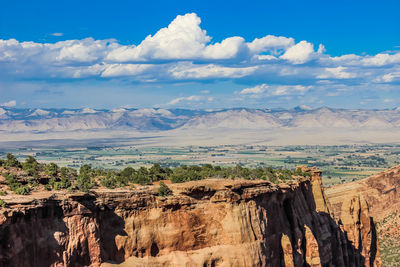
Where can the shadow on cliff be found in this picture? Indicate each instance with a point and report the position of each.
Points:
(353, 256)
(33, 237)
(112, 228)
(324, 243)
(344, 251)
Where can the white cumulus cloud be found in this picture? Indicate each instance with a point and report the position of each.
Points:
(183, 51)
(270, 43)
(301, 53)
(182, 39)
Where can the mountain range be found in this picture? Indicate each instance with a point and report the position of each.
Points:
(40, 120)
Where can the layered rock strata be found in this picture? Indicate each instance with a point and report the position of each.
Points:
(381, 193)
(204, 223)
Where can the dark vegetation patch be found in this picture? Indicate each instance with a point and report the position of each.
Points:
(23, 177)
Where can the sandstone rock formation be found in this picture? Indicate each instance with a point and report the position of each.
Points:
(380, 191)
(380, 195)
(204, 223)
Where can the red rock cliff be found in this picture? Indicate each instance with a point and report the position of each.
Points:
(204, 223)
(380, 194)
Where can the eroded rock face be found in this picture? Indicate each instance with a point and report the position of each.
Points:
(204, 223)
(380, 193)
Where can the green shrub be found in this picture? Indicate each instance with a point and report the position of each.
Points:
(22, 190)
(299, 172)
(48, 187)
(128, 172)
(63, 184)
(3, 193)
(12, 181)
(31, 167)
(109, 181)
(52, 169)
(284, 174)
(142, 177)
(157, 173)
(33, 183)
(11, 161)
(164, 190)
(84, 182)
(63, 178)
(3, 203)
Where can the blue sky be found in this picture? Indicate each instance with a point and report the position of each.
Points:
(200, 54)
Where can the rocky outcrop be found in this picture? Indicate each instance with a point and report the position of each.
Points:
(321, 202)
(379, 195)
(204, 223)
(359, 228)
(378, 191)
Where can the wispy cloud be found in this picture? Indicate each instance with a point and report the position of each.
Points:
(57, 34)
(11, 103)
(190, 99)
(254, 90)
(264, 90)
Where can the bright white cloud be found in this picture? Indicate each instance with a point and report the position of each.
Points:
(381, 59)
(185, 39)
(182, 39)
(300, 53)
(270, 43)
(227, 49)
(38, 57)
(81, 51)
(184, 51)
(11, 103)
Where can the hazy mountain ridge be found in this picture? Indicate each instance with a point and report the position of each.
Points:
(158, 119)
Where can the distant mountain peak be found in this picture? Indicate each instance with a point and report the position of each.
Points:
(303, 108)
(88, 111)
(68, 112)
(150, 119)
(40, 112)
(118, 110)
